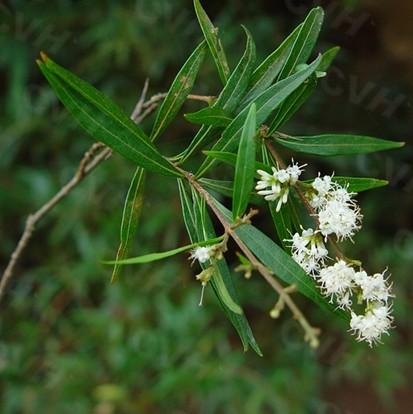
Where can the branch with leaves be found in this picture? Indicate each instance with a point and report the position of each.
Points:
(241, 127)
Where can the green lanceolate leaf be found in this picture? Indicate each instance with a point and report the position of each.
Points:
(222, 291)
(188, 214)
(239, 322)
(131, 213)
(292, 104)
(204, 230)
(328, 58)
(152, 257)
(104, 120)
(337, 144)
(265, 104)
(265, 74)
(360, 184)
(179, 91)
(226, 188)
(231, 159)
(296, 100)
(280, 263)
(237, 84)
(211, 116)
(245, 165)
(357, 184)
(304, 42)
(171, 105)
(175, 98)
(226, 102)
(214, 43)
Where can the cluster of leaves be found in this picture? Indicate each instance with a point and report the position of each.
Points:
(255, 101)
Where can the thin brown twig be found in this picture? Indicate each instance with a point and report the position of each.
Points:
(96, 154)
(311, 333)
(138, 108)
(160, 96)
(93, 157)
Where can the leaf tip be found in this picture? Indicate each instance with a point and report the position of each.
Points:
(43, 56)
(319, 9)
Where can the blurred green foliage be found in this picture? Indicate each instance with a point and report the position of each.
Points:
(70, 341)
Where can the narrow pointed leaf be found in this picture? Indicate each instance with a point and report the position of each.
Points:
(337, 144)
(179, 91)
(223, 293)
(304, 42)
(281, 263)
(226, 102)
(292, 104)
(266, 73)
(239, 322)
(211, 116)
(360, 184)
(203, 223)
(131, 213)
(188, 214)
(328, 58)
(104, 120)
(237, 84)
(175, 98)
(265, 104)
(296, 100)
(245, 166)
(214, 43)
(152, 257)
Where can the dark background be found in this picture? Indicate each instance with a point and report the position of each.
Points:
(70, 341)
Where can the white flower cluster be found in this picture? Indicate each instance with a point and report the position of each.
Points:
(341, 282)
(337, 212)
(277, 185)
(309, 251)
(370, 326)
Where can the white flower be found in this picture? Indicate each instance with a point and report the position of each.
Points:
(339, 218)
(344, 301)
(322, 185)
(373, 324)
(337, 212)
(282, 176)
(276, 186)
(337, 280)
(294, 172)
(202, 254)
(267, 180)
(308, 250)
(374, 288)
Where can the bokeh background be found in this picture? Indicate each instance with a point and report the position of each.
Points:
(72, 343)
